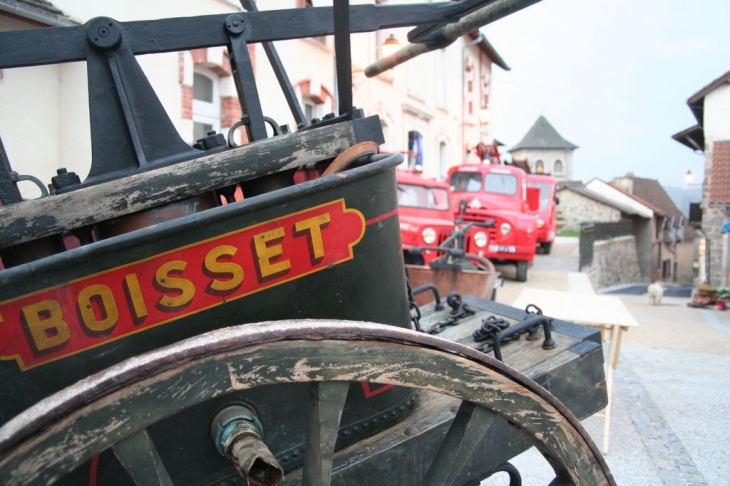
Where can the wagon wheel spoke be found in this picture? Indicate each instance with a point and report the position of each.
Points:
(326, 401)
(141, 460)
(466, 432)
(112, 407)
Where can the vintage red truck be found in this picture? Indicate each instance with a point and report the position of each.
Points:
(426, 217)
(498, 197)
(547, 213)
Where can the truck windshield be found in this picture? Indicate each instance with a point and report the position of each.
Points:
(423, 197)
(500, 184)
(466, 181)
(544, 192)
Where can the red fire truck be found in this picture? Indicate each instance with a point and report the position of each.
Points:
(547, 214)
(426, 219)
(497, 196)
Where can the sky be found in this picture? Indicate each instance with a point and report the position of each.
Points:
(613, 77)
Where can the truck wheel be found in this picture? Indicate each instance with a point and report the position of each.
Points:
(546, 247)
(521, 275)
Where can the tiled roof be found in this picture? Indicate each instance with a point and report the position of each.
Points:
(615, 193)
(651, 192)
(542, 135)
(720, 173)
(656, 209)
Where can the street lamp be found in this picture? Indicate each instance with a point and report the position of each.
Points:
(390, 46)
(689, 178)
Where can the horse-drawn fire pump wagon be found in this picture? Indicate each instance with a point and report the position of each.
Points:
(193, 338)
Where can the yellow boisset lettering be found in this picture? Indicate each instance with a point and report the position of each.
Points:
(44, 321)
(233, 271)
(185, 287)
(314, 228)
(134, 294)
(101, 297)
(265, 253)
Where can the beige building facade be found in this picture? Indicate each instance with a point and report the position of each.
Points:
(435, 99)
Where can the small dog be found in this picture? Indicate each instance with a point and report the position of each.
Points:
(656, 291)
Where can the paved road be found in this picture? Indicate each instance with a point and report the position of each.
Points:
(670, 422)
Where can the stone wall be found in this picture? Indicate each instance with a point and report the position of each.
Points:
(615, 262)
(577, 209)
(712, 220)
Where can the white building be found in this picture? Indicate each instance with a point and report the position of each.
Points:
(435, 98)
(711, 136)
(545, 151)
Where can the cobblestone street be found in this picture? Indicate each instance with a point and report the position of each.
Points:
(671, 393)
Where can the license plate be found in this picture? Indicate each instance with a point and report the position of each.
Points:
(503, 248)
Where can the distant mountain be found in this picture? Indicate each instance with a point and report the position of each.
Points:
(682, 196)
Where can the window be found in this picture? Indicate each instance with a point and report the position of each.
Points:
(666, 269)
(206, 103)
(558, 167)
(539, 167)
(415, 150)
(423, 197)
(466, 181)
(312, 110)
(500, 184)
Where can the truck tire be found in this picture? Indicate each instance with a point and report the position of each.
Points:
(521, 275)
(546, 247)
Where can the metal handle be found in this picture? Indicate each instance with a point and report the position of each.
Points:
(532, 320)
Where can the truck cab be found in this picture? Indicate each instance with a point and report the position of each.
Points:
(425, 215)
(547, 213)
(497, 199)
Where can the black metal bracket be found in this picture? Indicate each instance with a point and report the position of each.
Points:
(529, 322)
(130, 130)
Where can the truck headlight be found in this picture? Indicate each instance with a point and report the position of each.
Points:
(540, 223)
(480, 239)
(505, 228)
(429, 236)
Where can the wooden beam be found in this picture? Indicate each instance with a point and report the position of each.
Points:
(89, 205)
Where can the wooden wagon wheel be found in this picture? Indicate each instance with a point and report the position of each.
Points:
(113, 408)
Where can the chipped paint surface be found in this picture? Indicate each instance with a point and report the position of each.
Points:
(290, 351)
(136, 192)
